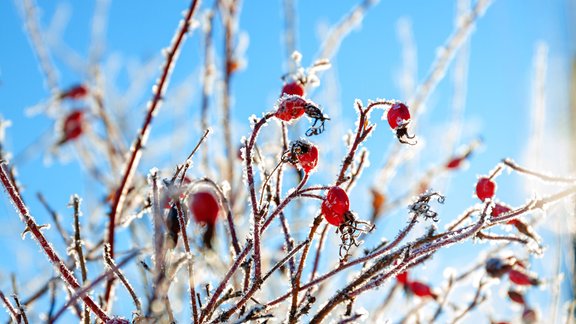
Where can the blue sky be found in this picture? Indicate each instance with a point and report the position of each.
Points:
(367, 65)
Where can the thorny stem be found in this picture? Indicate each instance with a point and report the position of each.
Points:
(411, 255)
(293, 308)
(289, 256)
(31, 226)
(512, 165)
(10, 308)
(157, 223)
(141, 139)
(228, 10)
(364, 129)
(451, 46)
(189, 260)
(344, 266)
(207, 78)
(79, 252)
(338, 32)
(257, 283)
(55, 218)
(112, 265)
(209, 309)
(478, 299)
(38, 45)
(83, 291)
(189, 158)
(21, 309)
(256, 217)
(509, 238)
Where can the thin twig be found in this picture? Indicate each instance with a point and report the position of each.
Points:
(10, 308)
(141, 139)
(78, 249)
(189, 262)
(111, 264)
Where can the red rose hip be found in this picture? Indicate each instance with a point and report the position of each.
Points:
(485, 188)
(204, 207)
(291, 107)
(335, 205)
(398, 115)
(293, 88)
(309, 160)
(73, 126)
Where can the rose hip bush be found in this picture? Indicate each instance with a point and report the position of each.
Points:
(266, 225)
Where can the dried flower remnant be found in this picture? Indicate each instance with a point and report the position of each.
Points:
(421, 207)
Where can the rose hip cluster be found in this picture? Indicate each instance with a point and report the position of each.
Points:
(73, 125)
(519, 276)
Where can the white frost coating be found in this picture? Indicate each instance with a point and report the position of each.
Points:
(297, 57)
(225, 187)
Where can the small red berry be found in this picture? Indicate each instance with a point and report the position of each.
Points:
(398, 115)
(73, 126)
(204, 207)
(420, 289)
(75, 92)
(485, 188)
(293, 88)
(402, 278)
(522, 278)
(309, 160)
(335, 205)
(291, 107)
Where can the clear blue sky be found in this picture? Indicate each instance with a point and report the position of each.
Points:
(497, 105)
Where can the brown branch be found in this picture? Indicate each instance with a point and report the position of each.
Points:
(79, 252)
(140, 141)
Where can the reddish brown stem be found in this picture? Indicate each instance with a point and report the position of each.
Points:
(31, 226)
(11, 310)
(140, 141)
(189, 264)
